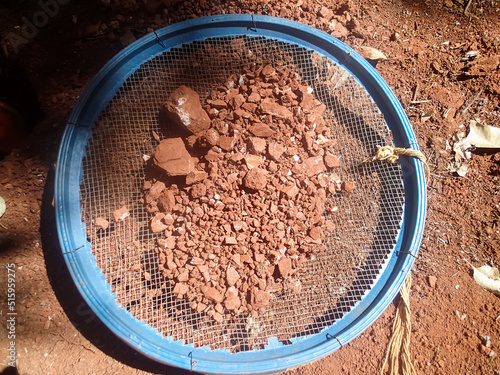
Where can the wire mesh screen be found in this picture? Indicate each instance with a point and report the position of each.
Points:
(367, 221)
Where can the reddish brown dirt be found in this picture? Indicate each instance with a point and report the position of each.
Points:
(426, 43)
(225, 248)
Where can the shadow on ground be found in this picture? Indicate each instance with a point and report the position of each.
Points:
(73, 304)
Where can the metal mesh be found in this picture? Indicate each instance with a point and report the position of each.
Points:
(367, 220)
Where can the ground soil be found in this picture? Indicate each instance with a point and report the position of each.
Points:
(427, 68)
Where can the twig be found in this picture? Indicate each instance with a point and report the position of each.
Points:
(469, 102)
(419, 101)
(415, 94)
(467, 7)
(466, 11)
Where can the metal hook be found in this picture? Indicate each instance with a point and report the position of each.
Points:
(158, 40)
(72, 251)
(406, 252)
(254, 25)
(193, 363)
(341, 345)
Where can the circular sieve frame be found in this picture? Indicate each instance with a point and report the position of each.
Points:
(89, 278)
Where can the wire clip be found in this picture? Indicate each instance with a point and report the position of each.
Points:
(158, 40)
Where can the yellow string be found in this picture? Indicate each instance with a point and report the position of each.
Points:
(390, 155)
(398, 349)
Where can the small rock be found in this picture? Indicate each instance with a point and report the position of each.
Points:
(432, 281)
(484, 349)
(314, 166)
(157, 224)
(493, 355)
(271, 108)
(316, 233)
(290, 190)
(261, 130)
(198, 190)
(238, 101)
(339, 31)
(332, 161)
(195, 176)
(166, 202)
(201, 307)
(237, 225)
(348, 186)
(275, 150)
(121, 214)
(257, 145)
(230, 241)
(127, 38)
(268, 71)
(180, 289)
(218, 104)
(184, 109)
(213, 294)
(218, 317)
(232, 302)
(172, 157)
(285, 267)
(101, 223)
(260, 298)
(254, 97)
(255, 179)
(329, 225)
(183, 276)
(307, 102)
(232, 276)
(326, 13)
(253, 161)
(226, 143)
(155, 191)
(212, 136)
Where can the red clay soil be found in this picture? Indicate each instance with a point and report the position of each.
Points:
(443, 65)
(256, 171)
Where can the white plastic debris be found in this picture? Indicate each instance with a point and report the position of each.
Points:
(488, 278)
(2, 206)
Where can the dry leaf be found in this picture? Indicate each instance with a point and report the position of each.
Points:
(483, 136)
(2, 206)
(370, 53)
(488, 278)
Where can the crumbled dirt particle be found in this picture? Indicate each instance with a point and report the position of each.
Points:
(172, 157)
(101, 223)
(261, 130)
(348, 186)
(121, 214)
(256, 179)
(213, 295)
(332, 161)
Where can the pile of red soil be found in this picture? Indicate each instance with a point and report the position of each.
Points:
(241, 200)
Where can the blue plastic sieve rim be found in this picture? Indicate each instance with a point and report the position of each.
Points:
(88, 277)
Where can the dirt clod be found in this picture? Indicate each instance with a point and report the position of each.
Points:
(121, 214)
(184, 110)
